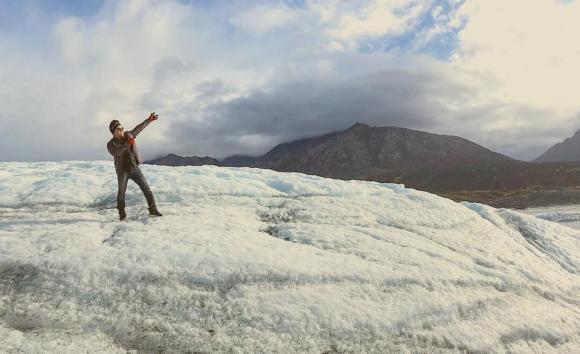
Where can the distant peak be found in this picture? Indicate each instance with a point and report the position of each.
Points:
(359, 125)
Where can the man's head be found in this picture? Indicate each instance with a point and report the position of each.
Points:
(116, 129)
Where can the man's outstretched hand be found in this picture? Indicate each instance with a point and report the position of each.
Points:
(152, 117)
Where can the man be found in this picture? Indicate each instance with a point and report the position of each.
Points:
(123, 148)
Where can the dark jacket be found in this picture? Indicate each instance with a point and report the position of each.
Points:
(119, 147)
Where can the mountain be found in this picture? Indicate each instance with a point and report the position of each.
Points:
(427, 161)
(176, 160)
(239, 161)
(259, 261)
(446, 165)
(363, 151)
(568, 150)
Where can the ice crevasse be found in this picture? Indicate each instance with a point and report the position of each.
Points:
(251, 260)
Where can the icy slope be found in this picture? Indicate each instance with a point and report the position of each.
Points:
(249, 260)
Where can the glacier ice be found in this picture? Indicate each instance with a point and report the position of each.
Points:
(253, 260)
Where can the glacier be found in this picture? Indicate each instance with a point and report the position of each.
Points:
(251, 260)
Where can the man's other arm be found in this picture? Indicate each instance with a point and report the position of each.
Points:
(117, 150)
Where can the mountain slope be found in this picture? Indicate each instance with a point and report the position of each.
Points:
(446, 165)
(176, 160)
(568, 150)
(253, 260)
(363, 151)
(239, 161)
(431, 162)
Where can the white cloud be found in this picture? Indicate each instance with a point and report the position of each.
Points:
(518, 70)
(527, 46)
(521, 58)
(324, 10)
(444, 22)
(372, 19)
(87, 72)
(264, 18)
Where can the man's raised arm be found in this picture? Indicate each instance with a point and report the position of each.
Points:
(142, 125)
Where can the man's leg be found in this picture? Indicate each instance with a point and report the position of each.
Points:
(137, 176)
(122, 179)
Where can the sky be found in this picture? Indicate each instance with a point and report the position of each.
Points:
(239, 77)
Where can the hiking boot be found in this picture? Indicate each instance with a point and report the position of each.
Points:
(154, 211)
(122, 214)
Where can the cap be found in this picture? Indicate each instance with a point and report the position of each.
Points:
(113, 125)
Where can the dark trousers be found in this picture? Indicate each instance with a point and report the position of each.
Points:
(136, 176)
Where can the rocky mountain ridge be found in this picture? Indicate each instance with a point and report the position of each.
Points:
(567, 150)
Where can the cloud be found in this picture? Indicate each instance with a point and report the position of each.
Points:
(240, 77)
(433, 98)
(304, 107)
(59, 97)
(264, 18)
(528, 47)
(343, 24)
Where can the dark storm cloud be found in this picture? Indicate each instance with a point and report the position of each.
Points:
(300, 108)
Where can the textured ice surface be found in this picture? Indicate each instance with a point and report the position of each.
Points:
(250, 260)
